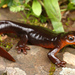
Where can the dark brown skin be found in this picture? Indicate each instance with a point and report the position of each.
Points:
(38, 36)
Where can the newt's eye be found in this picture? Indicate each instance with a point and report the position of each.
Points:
(71, 38)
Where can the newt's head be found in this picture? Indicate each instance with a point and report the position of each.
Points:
(70, 37)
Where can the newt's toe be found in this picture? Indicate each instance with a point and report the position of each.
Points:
(22, 49)
(61, 64)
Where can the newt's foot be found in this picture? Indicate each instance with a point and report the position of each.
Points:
(22, 48)
(61, 63)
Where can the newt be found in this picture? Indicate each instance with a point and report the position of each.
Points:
(39, 36)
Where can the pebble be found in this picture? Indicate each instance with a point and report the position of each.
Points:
(69, 58)
(67, 71)
(14, 71)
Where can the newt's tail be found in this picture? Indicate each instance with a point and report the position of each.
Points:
(6, 55)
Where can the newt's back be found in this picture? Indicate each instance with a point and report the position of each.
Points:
(36, 35)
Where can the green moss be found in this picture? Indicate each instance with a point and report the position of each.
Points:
(67, 23)
(68, 18)
(0, 38)
(7, 46)
(65, 28)
(52, 69)
(73, 19)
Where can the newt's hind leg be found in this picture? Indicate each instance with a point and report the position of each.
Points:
(21, 46)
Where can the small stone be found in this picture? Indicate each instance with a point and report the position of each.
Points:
(19, 71)
(10, 70)
(69, 58)
(14, 71)
(67, 71)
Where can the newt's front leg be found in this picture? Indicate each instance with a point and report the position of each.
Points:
(21, 46)
(54, 59)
